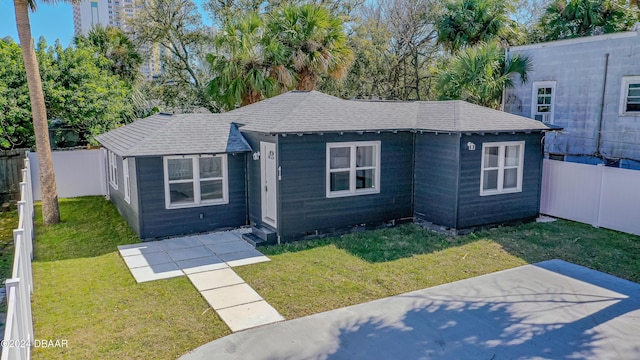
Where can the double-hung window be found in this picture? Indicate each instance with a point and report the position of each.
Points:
(113, 169)
(126, 182)
(543, 101)
(502, 167)
(630, 99)
(195, 180)
(353, 168)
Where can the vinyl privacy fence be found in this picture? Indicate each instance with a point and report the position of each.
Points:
(593, 194)
(18, 334)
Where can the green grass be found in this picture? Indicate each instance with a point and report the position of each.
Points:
(84, 292)
(8, 222)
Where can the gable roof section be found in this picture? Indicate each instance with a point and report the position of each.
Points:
(179, 134)
(310, 112)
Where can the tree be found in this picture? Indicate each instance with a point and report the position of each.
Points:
(50, 209)
(469, 22)
(315, 43)
(16, 127)
(479, 74)
(576, 18)
(174, 28)
(115, 45)
(248, 65)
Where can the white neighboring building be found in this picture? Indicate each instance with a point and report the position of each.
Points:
(89, 13)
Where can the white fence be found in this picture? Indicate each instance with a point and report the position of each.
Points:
(593, 194)
(18, 334)
(78, 173)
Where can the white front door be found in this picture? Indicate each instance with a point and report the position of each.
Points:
(269, 178)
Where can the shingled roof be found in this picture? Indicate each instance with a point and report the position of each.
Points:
(312, 111)
(180, 134)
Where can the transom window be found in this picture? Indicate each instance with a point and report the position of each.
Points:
(544, 93)
(195, 180)
(502, 166)
(353, 168)
(630, 99)
(113, 169)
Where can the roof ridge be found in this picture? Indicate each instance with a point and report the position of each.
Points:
(155, 133)
(296, 107)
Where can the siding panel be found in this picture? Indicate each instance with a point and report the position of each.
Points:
(160, 222)
(304, 207)
(476, 210)
(129, 211)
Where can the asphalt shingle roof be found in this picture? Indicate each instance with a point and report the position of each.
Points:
(175, 135)
(308, 112)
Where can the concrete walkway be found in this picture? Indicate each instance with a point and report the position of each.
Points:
(207, 260)
(550, 310)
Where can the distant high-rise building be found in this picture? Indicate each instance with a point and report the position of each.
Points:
(89, 13)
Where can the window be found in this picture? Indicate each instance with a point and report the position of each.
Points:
(543, 101)
(502, 165)
(193, 180)
(125, 177)
(353, 168)
(113, 169)
(630, 99)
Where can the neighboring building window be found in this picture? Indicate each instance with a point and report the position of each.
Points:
(353, 168)
(113, 169)
(502, 166)
(193, 180)
(630, 99)
(125, 178)
(543, 101)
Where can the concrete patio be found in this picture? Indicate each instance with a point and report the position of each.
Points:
(549, 310)
(207, 261)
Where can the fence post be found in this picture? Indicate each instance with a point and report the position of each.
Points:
(598, 197)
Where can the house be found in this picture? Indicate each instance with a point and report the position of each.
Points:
(304, 164)
(589, 86)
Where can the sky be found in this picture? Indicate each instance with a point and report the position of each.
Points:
(52, 21)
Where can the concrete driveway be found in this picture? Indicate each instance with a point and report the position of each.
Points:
(549, 310)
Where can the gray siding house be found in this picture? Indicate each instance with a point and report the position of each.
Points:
(591, 88)
(305, 164)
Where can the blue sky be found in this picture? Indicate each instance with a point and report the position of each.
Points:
(52, 21)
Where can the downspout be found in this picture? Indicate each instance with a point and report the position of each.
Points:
(601, 115)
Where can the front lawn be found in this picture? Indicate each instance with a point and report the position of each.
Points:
(84, 292)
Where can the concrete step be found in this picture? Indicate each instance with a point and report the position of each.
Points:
(266, 234)
(253, 239)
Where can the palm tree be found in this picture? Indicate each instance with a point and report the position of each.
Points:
(315, 42)
(479, 74)
(50, 210)
(248, 65)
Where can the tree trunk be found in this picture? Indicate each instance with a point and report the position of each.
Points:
(250, 98)
(50, 210)
(307, 80)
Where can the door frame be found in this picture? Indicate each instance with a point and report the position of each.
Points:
(263, 173)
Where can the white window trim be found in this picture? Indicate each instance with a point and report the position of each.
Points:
(534, 99)
(501, 168)
(113, 170)
(352, 169)
(196, 182)
(126, 180)
(624, 92)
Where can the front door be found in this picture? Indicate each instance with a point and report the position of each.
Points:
(269, 178)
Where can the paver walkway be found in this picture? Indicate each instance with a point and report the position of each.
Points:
(207, 260)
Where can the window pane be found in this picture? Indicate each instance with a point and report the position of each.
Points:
(181, 193)
(540, 100)
(340, 158)
(510, 179)
(365, 156)
(547, 91)
(491, 156)
(634, 92)
(180, 169)
(544, 108)
(365, 179)
(511, 155)
(538, 117)
(211, 190)
(547, 100)
(339, 181)
(210, 167)
(490, 180)
(540, 91)
(633, 107)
